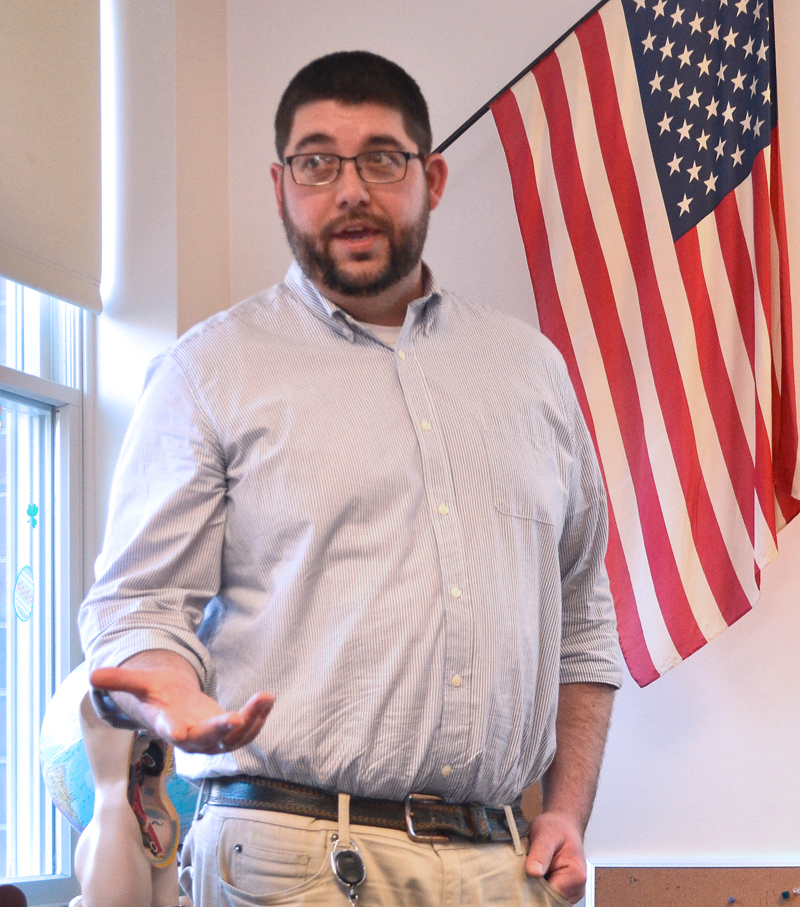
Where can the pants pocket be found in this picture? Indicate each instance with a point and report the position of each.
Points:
(259, 863)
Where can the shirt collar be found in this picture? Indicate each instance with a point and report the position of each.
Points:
(423, 310)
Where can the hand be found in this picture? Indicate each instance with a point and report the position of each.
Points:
(556, 851)
(161, 692)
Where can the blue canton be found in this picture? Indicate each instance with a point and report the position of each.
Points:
(707, 80)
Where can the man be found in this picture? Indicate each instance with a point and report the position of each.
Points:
(380, 504)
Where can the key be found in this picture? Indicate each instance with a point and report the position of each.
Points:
(349, 869)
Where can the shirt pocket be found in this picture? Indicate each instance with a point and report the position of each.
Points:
(526, 469)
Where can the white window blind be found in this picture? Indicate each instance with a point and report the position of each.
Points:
(50, 225)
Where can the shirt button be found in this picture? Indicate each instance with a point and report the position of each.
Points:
(455, 592)
(425, 425)
(401, 354)
(455, 680)
(444, 509)
(447, 770)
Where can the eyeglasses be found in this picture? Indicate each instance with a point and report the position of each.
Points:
(373, 167)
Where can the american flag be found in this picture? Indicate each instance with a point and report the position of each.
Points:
(643, 153)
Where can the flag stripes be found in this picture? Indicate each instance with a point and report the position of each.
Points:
(677, 358)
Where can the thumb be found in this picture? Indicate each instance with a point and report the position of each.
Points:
(539, 857)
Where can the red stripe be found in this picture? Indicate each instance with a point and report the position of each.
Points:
(785, 433)
(593, 271)
(551, 319)
(762, 242)
(631, 637)
(712, 552)
(736, 256)
(716, 381)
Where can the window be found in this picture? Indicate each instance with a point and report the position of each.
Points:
(40, 570)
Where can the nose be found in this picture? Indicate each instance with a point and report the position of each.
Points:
(351, 190)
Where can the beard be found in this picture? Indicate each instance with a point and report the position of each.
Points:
(318, 264)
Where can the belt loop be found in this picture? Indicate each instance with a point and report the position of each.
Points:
(512, 827)
(202, 799)
(344, 821)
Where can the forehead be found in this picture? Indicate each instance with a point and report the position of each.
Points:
(346, 128)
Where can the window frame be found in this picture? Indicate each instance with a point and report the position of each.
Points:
(68, 531)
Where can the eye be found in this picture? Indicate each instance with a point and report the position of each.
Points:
(310, 163)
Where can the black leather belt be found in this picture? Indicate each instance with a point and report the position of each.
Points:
(426, 818)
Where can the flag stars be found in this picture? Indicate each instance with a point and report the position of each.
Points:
(675, 164)
(658, 9)
(721, 72)
(666, 50)
(730, 39)
(736, 157)
(696, 23)
(694, 99)
(684, 204)
(711, 183)
(757, 126)
(761, 53)
(648, 41)
(664, 124)
(702, 141)
(694, 172)
(640, 4)
(720, 148)
(745, 124)
(767, 95)
(757, 11)
(712, 108)
(741, 6)
(703, 66)
(677, 16)
(656, 83)
(727, 114)
(753, 87)
(748, 48)
(713, 33)
(675, 91)
(738, 81)
(685, 130)
(685, 56)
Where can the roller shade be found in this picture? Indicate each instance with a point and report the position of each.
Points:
(50, 203)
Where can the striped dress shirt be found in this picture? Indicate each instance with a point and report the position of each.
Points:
(404, 545)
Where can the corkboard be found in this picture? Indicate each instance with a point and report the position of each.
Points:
(696, 887)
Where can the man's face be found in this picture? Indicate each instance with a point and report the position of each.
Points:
(352, 238)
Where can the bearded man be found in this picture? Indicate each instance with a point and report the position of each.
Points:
(354, 563)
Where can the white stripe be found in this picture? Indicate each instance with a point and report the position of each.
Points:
(595, 380)
(665, 473)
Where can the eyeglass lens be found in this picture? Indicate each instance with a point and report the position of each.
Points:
(372, 166)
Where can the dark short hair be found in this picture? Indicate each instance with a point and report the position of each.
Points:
(355, 77)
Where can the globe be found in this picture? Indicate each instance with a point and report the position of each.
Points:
(65, 765)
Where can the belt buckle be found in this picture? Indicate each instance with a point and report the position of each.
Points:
(422, 839)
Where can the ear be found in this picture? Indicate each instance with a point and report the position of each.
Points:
(436, 175)
(276, 171)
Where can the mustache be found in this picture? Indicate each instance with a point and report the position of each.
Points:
(374, 221)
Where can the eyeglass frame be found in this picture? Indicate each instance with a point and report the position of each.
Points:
(406, 155)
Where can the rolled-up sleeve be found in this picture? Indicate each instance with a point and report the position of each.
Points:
(161, 557)
(589, 644)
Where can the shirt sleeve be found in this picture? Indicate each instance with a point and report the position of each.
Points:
(589, 643)
(161, 557)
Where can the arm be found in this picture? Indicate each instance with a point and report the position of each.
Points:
(160, 691)
(569, 785)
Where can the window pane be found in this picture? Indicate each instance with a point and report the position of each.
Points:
(39, 335)
(26, 629)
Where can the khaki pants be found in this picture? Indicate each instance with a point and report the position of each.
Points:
(248, 858)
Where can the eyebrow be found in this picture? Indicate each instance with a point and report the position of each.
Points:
(321, 138)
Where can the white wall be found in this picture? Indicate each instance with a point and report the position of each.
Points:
(701, 765)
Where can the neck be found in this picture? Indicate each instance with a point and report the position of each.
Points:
(386, 308)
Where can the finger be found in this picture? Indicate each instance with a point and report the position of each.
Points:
(252, 715)
(121, 680)
(539, 858)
